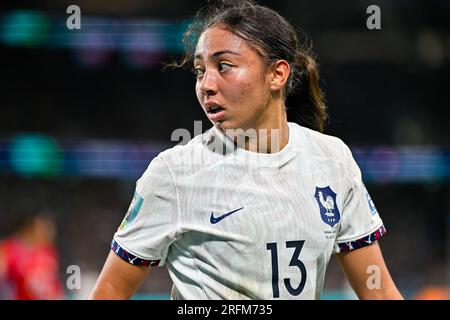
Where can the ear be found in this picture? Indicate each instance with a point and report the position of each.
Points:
(280, 71)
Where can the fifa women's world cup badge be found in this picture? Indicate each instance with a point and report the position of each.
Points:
(329, 212)
(133, 210)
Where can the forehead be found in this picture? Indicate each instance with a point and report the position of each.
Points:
(216, 39)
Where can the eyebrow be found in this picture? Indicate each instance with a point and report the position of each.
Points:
(217, 53)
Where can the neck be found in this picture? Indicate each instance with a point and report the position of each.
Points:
(271, 134)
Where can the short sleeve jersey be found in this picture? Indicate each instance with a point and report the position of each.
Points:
(234, 224)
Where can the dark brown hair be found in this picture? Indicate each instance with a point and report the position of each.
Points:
(274, 38)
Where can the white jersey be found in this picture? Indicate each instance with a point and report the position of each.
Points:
(246, 225)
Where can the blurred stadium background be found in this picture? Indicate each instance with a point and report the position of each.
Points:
(82, 112)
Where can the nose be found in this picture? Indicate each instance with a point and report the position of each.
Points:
(208, 84)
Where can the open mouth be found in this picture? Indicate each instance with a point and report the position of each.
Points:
(215, 112)
(215, 109)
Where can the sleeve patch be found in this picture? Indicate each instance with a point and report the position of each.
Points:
(372, 207)
(133, 210)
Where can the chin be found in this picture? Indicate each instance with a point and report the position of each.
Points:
(225, 125)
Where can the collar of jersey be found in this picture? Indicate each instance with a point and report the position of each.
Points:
(265, 159)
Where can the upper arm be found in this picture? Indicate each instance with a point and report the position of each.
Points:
(144, 236)
(358, 252)
(367, 273)
(118, 279)
(151, 223)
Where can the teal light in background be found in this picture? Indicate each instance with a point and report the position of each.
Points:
(142, 41)
(174, 36)
(25, 28)
(35, 155)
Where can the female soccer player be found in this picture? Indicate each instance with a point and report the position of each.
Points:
(254, 207)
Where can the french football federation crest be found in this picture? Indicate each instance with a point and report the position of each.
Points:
(329, 212)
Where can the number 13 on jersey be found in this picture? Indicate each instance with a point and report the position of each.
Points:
(295, 262)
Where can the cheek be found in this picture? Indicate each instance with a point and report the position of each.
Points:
(246, 87)
(198, 92)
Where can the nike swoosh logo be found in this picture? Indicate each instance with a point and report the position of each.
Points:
(214, 220)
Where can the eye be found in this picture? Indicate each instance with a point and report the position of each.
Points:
(224, 66)
(198, 72)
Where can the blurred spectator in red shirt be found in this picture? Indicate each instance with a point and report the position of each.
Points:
(29, 261)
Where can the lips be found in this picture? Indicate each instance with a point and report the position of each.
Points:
(213, 108)
(214, 111)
